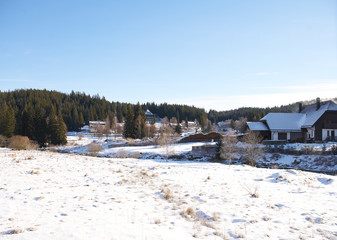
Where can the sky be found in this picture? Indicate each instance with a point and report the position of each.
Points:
(218, 54)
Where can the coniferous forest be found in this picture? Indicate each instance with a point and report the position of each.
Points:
(45, 116)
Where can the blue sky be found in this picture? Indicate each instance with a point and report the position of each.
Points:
(211, 54)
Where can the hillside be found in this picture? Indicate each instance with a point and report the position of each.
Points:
(77, 109)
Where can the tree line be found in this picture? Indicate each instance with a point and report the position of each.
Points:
(45, 116)
(32, 113)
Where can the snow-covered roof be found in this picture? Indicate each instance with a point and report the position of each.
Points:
(286, 122)
(257, 126)
(96, 122)
(148, 112)
(312, 115)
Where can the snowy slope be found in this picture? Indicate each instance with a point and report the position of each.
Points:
(47, 195)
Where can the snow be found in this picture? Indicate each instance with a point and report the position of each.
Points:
(284, 121)
(257, 126)
(50, 195)
(312, 115)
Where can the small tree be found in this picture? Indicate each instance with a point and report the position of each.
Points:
(177, 129)
(228, 146)
(252, 149)
(240, 124)
(165, 139)
(107, 127)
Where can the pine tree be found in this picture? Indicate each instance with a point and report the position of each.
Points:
(178, 128)
(40, 126)
(56, 128)
(62, 130)
(52, 127)
(129, 124)
(139, 122)
(7, 121)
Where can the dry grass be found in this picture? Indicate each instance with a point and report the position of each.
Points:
(15, 231)
(34, 172)
(188, 213)
(215, 217)
(167, 193)
(253, 191)
(157, 221)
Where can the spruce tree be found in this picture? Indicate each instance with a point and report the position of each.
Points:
(139, 122)
(7, 121)
(62, 130)
(129, 124)
(40, 126)
(53, 127)
(178, 128)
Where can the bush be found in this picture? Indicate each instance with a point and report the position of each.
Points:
(307, 150)
(3, 141)
(94, 148)
(21, 143)
(334, 149)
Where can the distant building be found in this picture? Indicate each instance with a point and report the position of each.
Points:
(149, 116)
(94, 126)
(315, 122)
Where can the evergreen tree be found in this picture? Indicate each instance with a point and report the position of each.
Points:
(52, 127)
(7, 121)
(178, 128)
(129, 128)
(40, 126)
(139, 122)
(62, 130)
(56, 128)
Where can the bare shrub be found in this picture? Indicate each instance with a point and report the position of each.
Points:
(307, 149)
(228, 147)
(167, 193)
(165, 139)
(189, 213)
(15, 231)
(94, 148)
(253, 191)
(252, 151)
(3, 141)
(135, 155)
(21, 143)
(80, 136)
(157, 221)
(215, 217)
(121, 154)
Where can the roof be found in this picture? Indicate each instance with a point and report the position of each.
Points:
(312, 115)
(257, 126)
(148, 112)
(293, 122)
(284, 122)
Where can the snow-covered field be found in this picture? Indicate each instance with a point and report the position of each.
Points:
(49, 195)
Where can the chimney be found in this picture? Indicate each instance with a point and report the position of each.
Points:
(300, 107)
(318, 103)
